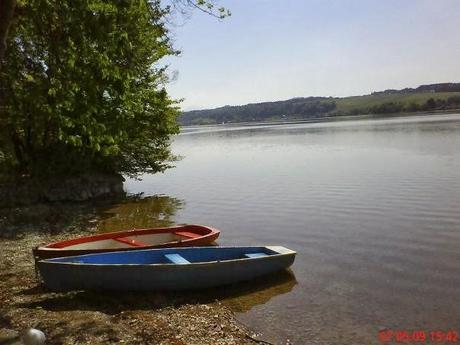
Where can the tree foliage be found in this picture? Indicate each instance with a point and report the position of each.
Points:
(82, 89)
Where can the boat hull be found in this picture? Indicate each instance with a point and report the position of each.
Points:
(63, 276)
(204, 236)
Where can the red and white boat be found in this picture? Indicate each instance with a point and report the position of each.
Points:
(177, 236)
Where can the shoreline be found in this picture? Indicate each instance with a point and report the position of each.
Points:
(97, 317)
(337, 118)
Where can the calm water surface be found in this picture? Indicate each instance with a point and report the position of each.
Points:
(371, 207)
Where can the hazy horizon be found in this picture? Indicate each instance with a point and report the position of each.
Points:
(270, 51)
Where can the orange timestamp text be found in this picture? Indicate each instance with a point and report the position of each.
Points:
(418, 336)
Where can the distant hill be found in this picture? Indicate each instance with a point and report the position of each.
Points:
(442, 87)
(441, 96)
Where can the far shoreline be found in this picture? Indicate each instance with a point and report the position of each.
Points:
(337, 118)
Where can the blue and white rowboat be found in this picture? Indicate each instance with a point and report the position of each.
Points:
(163, 269)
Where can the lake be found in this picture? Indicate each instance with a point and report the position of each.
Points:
(372, 208)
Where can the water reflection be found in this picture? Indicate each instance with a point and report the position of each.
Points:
(136, 212)
(244, 296)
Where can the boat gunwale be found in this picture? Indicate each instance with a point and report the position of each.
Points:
(288, 252)
(110, 235)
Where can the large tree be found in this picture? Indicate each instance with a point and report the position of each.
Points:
(82, 89)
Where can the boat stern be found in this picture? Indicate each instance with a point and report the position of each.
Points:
(281, 250)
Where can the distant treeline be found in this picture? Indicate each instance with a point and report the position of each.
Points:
(399, 107)
(423, 98)
(300, 107)
(441, 87)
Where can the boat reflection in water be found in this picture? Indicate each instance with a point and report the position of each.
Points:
(242, 297)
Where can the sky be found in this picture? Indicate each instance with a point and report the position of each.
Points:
(271, 50)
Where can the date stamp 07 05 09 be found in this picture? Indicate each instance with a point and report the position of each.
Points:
(418, 336)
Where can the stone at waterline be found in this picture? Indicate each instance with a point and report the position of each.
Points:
(33, 336)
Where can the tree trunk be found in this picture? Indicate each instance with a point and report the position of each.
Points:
(6, 17)
(19, 150)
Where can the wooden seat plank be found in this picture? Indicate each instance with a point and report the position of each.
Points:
(187, 234)
(177, 259)
(255, 255)
(131, 242)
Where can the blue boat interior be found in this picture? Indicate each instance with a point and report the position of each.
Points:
(178, 256)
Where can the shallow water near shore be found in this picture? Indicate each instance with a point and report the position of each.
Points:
(371, 207)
